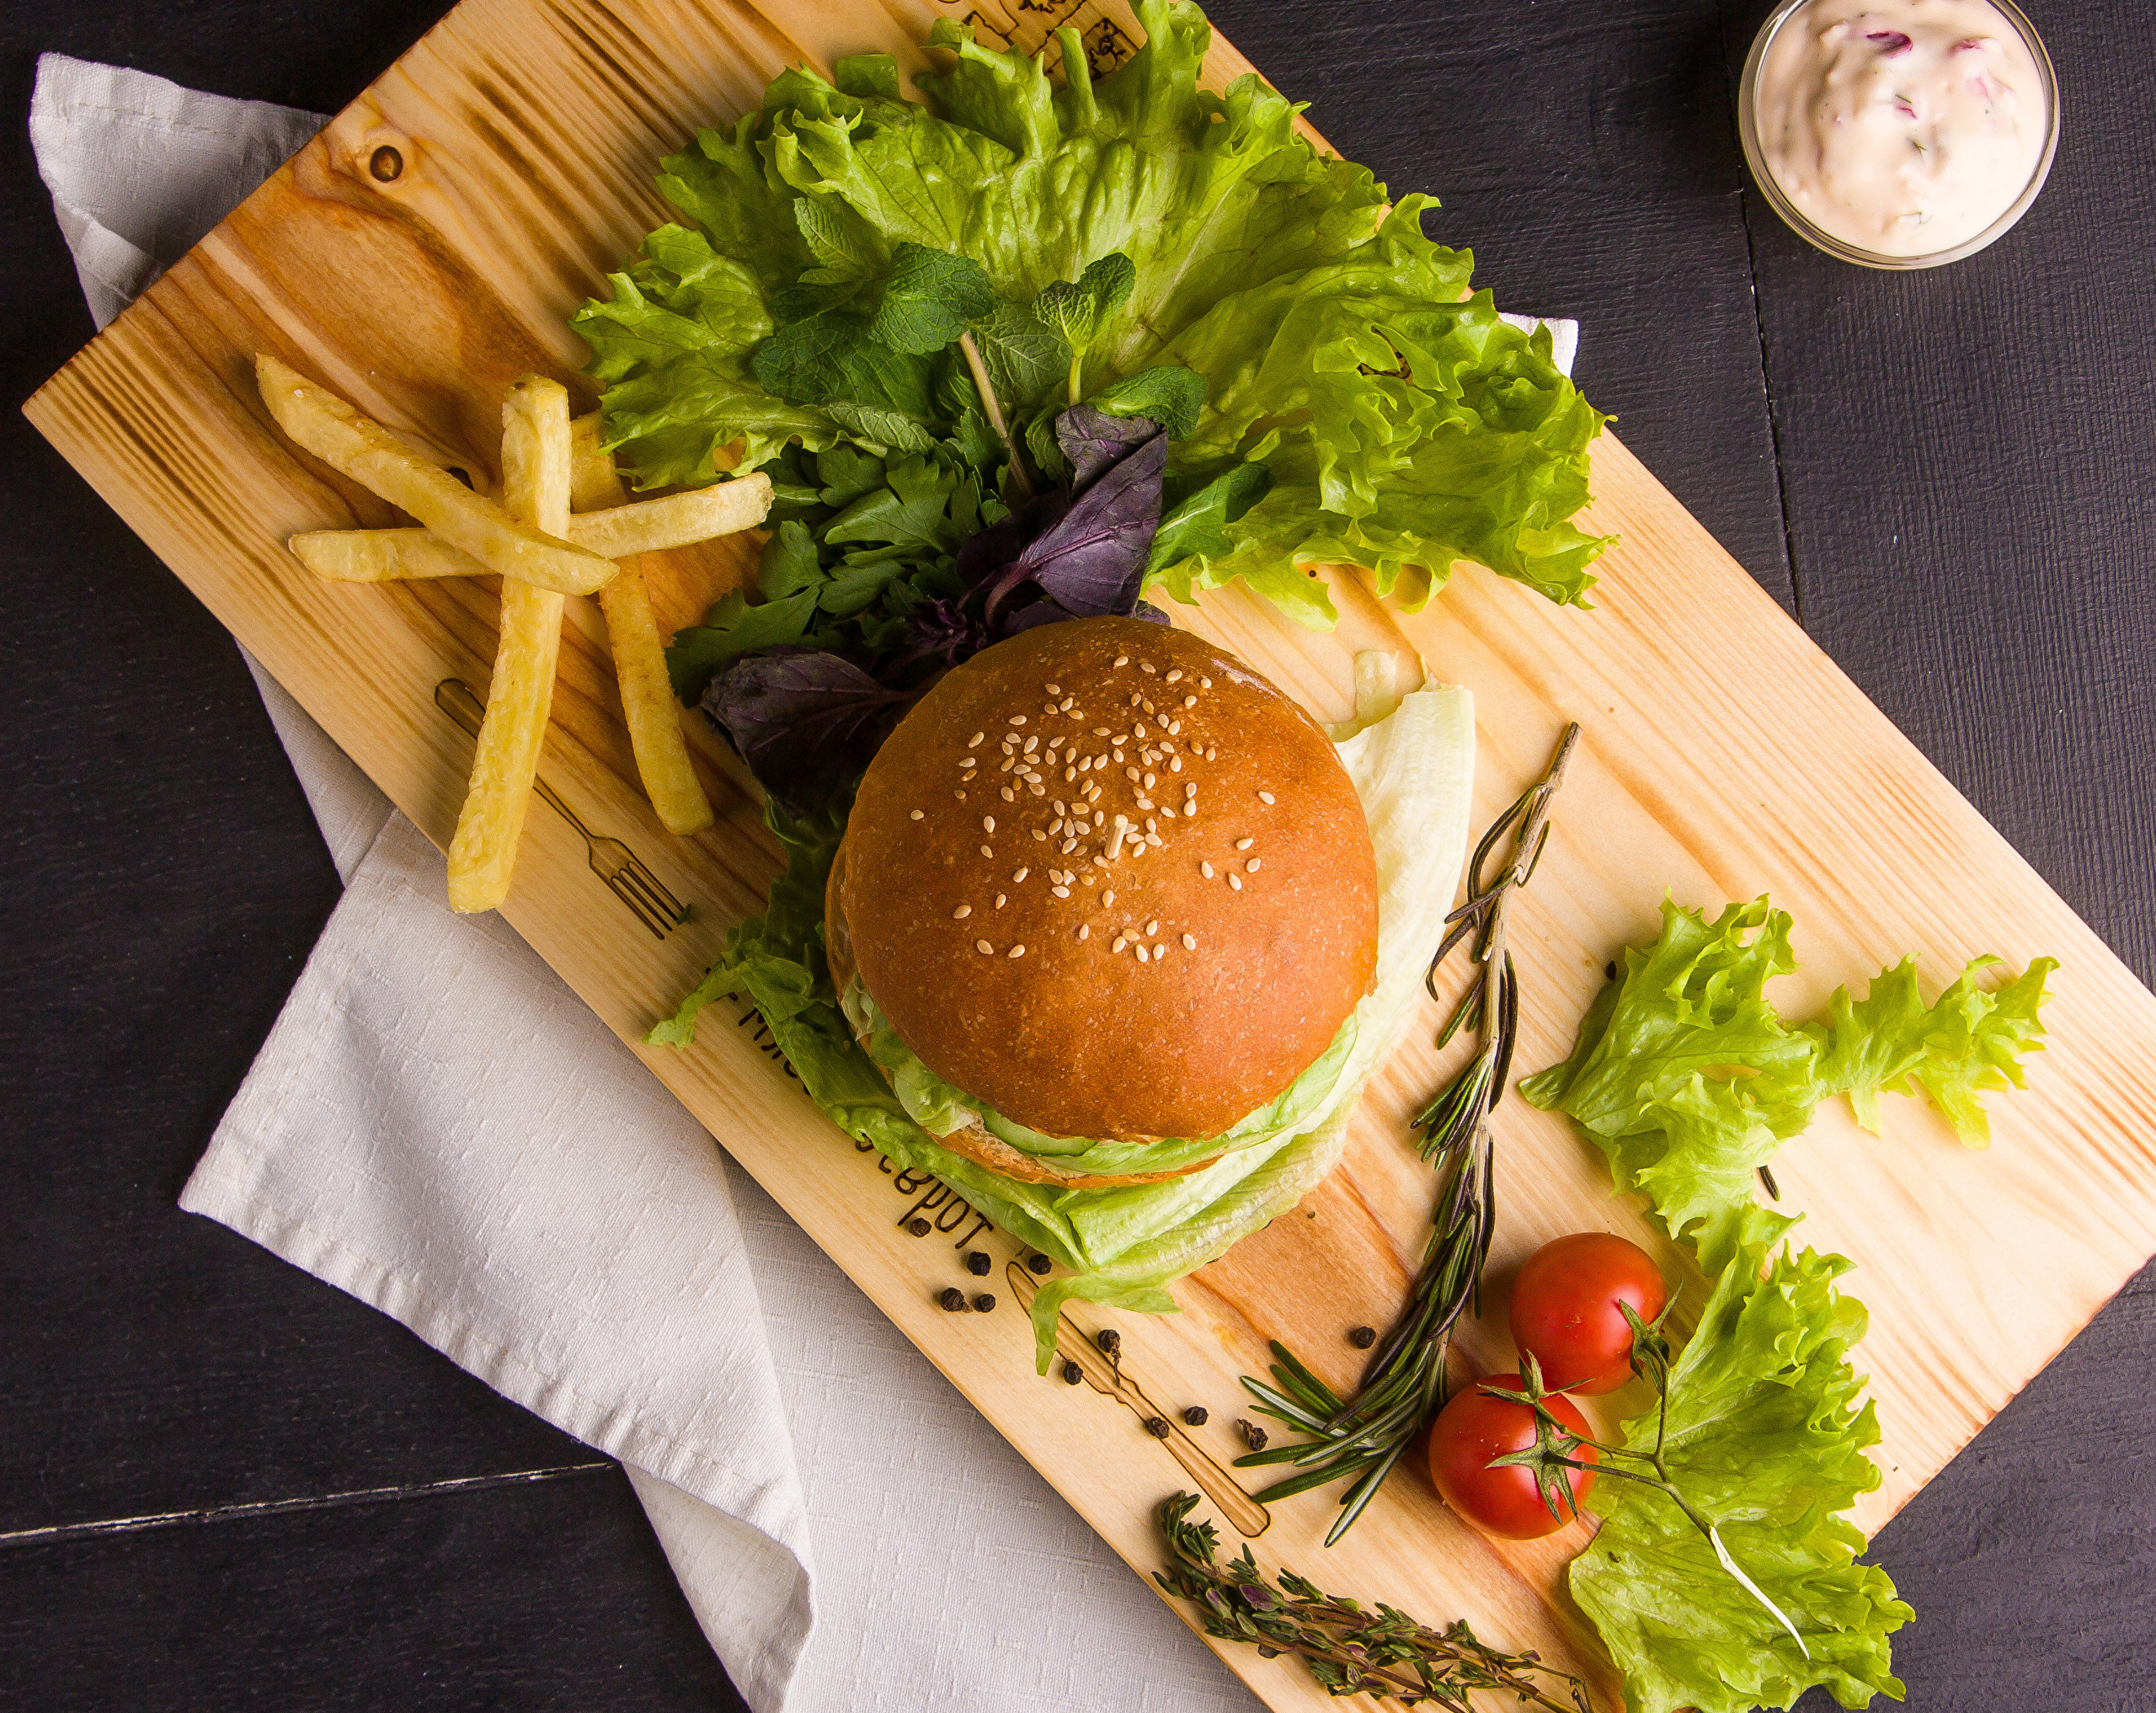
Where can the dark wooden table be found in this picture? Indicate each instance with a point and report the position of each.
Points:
(224, 1484)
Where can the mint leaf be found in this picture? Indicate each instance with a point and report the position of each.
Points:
(929, 296)
(1078, 309)
(1171, 397)
(1026, 359)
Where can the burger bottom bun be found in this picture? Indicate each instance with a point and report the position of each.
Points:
(973, 1141)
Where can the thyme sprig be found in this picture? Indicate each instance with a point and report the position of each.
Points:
(1555, 1452)
(1403, 1385)
(1349, 1649)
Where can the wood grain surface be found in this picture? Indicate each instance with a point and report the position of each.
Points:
(1725, 755)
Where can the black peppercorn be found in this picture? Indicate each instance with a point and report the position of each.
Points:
(1157, 1426)
(919, 1228)
(1195, 1416)
(1253, 1435)
(953, 1300)
(1363, 1338)
(1109, 1340)
(1072, 1374)
(978, 1264)
(1038, 1263)
(1265, 1652)
(983, 1302)
(1609, 970)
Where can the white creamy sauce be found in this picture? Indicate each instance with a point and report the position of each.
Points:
(1903, 127)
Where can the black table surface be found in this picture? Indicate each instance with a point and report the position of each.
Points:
(223, 1483)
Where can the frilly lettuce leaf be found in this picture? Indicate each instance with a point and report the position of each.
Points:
(1689, 1079)
(1132, 224)
(1768, 1431)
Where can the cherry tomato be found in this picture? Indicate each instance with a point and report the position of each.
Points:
(1565, 1309)
(1474, 1428)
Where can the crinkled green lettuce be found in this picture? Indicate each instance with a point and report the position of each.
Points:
(1767, 1430)
(1414, 773)
(940, 1109)
(1125, 226)
(1689, 1079)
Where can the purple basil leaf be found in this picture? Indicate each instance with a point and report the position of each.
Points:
(804, 720)
(1092, 562)
(941, 635)
(1152, 614)
(990, 553)
(1093, 440)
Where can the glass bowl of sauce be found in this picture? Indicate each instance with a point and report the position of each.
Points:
(1898, 133)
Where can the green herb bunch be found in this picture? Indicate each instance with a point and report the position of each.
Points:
(1404, 1386)
(1349, 1648)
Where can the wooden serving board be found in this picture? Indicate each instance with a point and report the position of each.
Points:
(430, 246)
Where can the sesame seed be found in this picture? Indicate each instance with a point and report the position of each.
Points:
(1175, 764)
(960, 914)
(1190, 943)
(1166, 811)
(1152, 927)
(1017, 719)
(1174, 676)
(1009, 762)
(1061, 808)
(1159, 952)
(1120, 942)
(1190, 788)
(1147, 706)
(1039, 834)
(1009, 795)
(1130, 773)
(1052, 689)
(1265, 797)
(1100, 731)
(915, 816)
(1147, 667)
(1108, 898)
(1150, 779)
(977, 740)
(1068, 775)
(1205, 869)
(1244, 844)
(1190, 702)
(1141, 954)
(982, 945)
(1211, 752)
(988, 851)
(1017, 951)
(1060, 891)
(1152, 825)
(1236, 881)
(1153, 838)
(1122, 659)
(960, 795)
(1019, 875)
(1251, 867)
(1067, 704)
(1085, 932)
(1069, 845)
(1001, 899)
(1032, 742)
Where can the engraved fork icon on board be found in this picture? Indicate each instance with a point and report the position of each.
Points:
(611, 860)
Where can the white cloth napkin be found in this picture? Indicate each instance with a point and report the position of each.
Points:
(437, 1126)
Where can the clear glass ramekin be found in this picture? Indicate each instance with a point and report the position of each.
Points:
(1748, 130)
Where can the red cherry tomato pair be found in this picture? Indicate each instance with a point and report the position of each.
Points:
(1565, 1314)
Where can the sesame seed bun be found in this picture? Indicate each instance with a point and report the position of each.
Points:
(1125, 993)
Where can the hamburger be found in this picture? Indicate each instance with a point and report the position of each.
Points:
(1122, 931)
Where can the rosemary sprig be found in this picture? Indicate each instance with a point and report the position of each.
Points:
(1555, 1447)
(1349, 1649)
(1403, 1386)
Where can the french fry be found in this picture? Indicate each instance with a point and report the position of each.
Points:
(382, 556)
(654, 718)
(337, 435)
(653, 526)
(535, 485)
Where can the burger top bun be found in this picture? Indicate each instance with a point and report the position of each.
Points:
(1108, 881)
